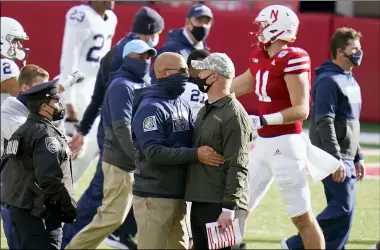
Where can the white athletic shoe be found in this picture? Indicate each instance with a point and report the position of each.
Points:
(283, 244)
(373, 247)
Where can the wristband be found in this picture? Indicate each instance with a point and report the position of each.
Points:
(66, 83)
(274, 119)
(229, 210)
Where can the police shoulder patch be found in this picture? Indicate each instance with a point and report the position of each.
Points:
(52, 144)
(150, 124)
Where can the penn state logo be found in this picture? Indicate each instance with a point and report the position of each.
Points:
(52, 144)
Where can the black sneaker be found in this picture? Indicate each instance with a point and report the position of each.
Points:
(243, 246)
(120, 242)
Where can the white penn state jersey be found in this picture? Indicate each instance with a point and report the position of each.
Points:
(9, 69)
(86, 40)
(194, 97)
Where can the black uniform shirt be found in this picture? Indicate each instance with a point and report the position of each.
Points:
(37, 152)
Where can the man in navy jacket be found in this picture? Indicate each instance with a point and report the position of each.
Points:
(335, 128)
(119, 153)
(147, 26)
(191, 37)
(162, 134)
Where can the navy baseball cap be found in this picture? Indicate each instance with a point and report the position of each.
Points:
(43, 91)
(138, 46)
(198, 10)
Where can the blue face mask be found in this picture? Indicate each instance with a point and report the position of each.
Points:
(356, 58)
(138, 67)
(175, 83)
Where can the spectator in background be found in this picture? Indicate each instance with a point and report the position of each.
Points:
(183, 41)
(335, 128)
(162, 131)
(119, 153)
(219, 193)
(193, 95)
(147, 26)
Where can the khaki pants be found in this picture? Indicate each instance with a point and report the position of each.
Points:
(117, 200)
(161, 223)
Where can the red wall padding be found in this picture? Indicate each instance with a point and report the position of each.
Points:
(44, 23)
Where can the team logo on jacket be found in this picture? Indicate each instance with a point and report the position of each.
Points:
(180, 124)
(52, 144)
(150, 124)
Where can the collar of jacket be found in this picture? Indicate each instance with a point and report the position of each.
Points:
(222, 101)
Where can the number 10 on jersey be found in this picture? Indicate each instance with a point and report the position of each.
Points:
(261, 86)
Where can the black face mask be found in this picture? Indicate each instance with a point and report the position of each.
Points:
(356, 58)
(201, 83)
(200, 33)
(58, 112)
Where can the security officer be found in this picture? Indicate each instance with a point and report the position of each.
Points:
(37, 181)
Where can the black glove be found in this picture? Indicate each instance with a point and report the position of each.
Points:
(68, 207)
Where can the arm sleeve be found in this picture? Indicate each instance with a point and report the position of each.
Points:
(236, 138)
(359, 155)
(325, 105)
(47, 166)
(296, 62)
(92, 110)
(148, 128)
(120, 104)
(10, 122)
(74, 37)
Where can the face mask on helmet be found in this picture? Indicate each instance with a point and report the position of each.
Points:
(14, 52)
(12, 33)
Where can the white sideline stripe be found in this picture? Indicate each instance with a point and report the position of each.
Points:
(302, 66)
(298, 60)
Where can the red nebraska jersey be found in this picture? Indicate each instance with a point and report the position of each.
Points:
(270, 86)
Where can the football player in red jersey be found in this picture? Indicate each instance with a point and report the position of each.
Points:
(280, 77)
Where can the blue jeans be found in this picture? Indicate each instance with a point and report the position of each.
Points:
(10, 230)
(336, 219)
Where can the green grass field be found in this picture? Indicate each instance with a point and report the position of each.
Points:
(270, 223)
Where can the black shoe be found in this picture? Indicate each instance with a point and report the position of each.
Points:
(120, 242)
(243, 246)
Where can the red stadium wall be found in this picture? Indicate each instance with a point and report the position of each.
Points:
(44, 23)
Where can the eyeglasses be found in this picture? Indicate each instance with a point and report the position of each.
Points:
(183, 71)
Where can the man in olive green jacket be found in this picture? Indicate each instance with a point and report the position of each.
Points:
(219, 193)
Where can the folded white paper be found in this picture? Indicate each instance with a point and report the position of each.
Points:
(218, 239)
(320, 163)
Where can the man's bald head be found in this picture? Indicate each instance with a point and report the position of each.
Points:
(169, 63)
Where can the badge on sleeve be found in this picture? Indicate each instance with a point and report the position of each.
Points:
(150, 124)
(52, 144)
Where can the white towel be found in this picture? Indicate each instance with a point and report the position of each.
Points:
(320, 163)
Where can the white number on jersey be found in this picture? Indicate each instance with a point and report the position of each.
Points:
(261, 92)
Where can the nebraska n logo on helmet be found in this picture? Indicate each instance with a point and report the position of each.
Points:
(12, 33)
(276, 22)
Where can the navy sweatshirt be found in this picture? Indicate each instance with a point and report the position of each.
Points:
(111, 62)
(175, 42)
(162, 135)
(335, 112)
(117, 115)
